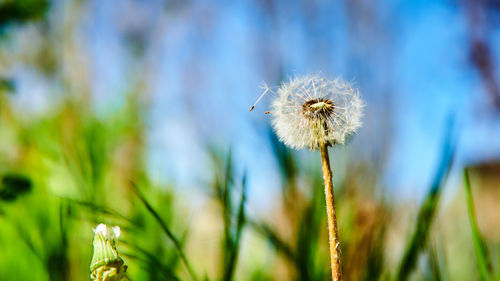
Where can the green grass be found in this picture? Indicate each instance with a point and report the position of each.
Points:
(69, 170)
(67, 182)
(419, 240)
(483, 261)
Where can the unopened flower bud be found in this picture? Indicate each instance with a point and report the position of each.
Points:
(106, 264)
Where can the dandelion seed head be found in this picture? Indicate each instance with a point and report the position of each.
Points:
(311, 111)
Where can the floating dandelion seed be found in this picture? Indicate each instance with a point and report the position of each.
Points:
(312, 111)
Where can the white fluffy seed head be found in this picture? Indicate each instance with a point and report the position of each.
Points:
(312, 111)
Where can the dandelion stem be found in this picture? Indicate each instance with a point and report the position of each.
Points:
(332, 218)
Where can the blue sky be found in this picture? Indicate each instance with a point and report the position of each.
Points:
(203, 63)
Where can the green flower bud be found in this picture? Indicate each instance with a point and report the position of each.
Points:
(106, 264)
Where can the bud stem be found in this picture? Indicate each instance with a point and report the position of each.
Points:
(332, 218)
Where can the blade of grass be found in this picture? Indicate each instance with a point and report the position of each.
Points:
(428, 209)
(483, 261)
(26, 238)
(225, 196)
(306, 237)
(375, 263)
(167, 231)
(58, 262)
(434, 264)
(442, 260)
(99, 209)
(240, 222)
(233, 223)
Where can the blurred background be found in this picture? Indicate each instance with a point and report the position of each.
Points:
(135, 113)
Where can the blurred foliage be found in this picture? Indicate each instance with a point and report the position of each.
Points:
(68, 170)
(21, 11)
(232, 213)
(428, 210)
(13, 186)
(7, 85)
(482, 257)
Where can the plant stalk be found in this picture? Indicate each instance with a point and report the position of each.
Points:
(332, 218)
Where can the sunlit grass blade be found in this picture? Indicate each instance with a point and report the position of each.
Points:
(167, 231)
(54, 256)
(434, 264)
(58, 261)
(100, 209)
(240, 222)
(306, 240)
(224, 192)
(428, 209)
(233, 213)
(26, 238)
(376, 257)
(483, 261)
